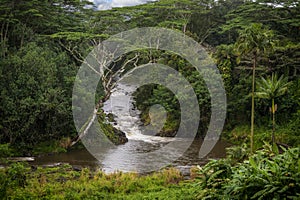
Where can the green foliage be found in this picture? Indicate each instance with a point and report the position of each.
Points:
(149, 95)
(291, 132)
(53, 146)
(272, 87)
(5, 150)
(237, 154)
(44, 42)
(16, 175)
(11, 178)
(35, 96)
(255, 40)
(114, 135)
(265, 175)
(3, 185)
(64, 183)
(271, 17)
(288, 133)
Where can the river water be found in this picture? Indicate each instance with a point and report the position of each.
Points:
(130, 156)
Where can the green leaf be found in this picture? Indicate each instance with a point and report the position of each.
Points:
(253, 163)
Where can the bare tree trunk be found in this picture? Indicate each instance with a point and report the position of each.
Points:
(85, 128)
(252, 104)
(4, 36)
(107, 74)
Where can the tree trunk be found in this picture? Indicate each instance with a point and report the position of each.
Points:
(273, 121)
(85, 128)
(252, 104)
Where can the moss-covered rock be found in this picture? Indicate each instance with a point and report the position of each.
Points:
(114, 135)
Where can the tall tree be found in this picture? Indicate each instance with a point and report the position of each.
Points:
(36, 74)
(254, 42)
(271, 88)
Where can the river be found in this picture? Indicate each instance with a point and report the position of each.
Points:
(128, 157)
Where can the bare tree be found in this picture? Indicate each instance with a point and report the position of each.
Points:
(107, 67)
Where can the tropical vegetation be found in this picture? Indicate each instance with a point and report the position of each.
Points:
(263, 175)
(255, 45)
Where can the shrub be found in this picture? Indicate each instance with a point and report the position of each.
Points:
(265, 175)
(16, 175)
(5, 150)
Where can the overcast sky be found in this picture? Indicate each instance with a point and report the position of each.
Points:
(108, 4)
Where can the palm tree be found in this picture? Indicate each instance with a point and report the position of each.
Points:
(271, 88)
(253, 42)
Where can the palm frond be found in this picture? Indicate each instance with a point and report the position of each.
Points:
(272, 87)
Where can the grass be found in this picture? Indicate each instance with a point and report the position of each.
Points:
(50, 147)
(65, 183)
(267, 173)
(241, 134)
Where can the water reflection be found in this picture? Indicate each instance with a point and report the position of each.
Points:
(129, 157)
(142, 153)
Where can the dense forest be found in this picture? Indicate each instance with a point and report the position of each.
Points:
(255, 45)
(44, 43)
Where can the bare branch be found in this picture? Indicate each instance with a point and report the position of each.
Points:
(78, 56)
(107, 86)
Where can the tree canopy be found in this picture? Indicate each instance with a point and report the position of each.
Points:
(43, 43)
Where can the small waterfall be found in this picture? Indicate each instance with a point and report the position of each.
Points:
(139, 153)
(143, 152)
(126, 116)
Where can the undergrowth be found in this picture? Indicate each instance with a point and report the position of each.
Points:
(267, 174)
(264, 175)
(21, 182)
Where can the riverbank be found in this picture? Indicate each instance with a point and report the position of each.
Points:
(42, 148)
(265, 174)
(124, 157)
(61, 145)
(63, 182)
